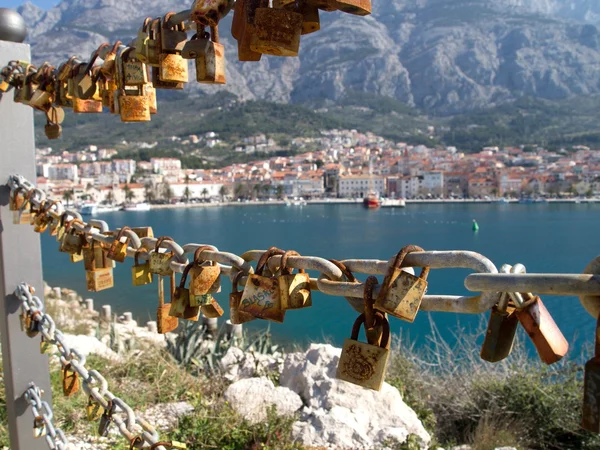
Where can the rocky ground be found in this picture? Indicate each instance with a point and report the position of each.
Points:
(328, 413)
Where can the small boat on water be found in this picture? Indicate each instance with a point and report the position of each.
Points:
(91, 209)
(137, 207)
(296, 203)
(372, 201)
(393, 203)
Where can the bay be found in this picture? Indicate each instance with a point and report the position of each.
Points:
(548, 238)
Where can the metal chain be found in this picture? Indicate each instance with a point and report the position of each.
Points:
(42, 419)
(331, 281)
(95, 385)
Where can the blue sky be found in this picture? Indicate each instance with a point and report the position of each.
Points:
(46, 4)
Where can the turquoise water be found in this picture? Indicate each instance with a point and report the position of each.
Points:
(543, 237)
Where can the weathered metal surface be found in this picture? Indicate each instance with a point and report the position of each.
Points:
(591, 301)
(540, 283)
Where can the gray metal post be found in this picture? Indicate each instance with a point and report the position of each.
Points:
(20, 261)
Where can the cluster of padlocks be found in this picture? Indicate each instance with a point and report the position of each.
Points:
(273, 289)
(126, 81)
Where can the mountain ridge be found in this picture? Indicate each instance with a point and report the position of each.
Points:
(442, 56)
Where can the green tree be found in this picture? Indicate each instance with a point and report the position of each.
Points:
(204, 193)
(256, 189)
(223, 193)
(279, 191)
(68, 196)
(187, 193)
(238, 191)
(266, 188)
(110, 197)
(167, 192)
(129, 194)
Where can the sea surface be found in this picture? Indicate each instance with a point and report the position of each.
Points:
(546, 238)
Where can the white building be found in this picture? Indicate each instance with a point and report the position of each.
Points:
(63, 172)
(164, 165)
(433, 182)
(124, 166)
(360, 185)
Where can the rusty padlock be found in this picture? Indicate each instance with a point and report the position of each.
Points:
(294, 289)
(70, 381)
(72, 241)
(208, 55)
(276, 32)
(210, 12)
(205, 279)
(172, 67)
(180, 305)
(591, 388)
(501, 331)
(247, 13)
(364, 364)
(160, 263)
(261, 297)
(401, 292)
(213, 310)
(93, 253)
(547, 338)
(236, 316)
(355, 7)
(109, 65)
(165, 323)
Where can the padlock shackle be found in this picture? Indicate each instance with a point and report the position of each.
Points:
(380, 320)
(184, 276)
(95, 56)
(121, 234)
(198, 255)
(347, 272)
(262, 262)
(136, 257)
(160, 241)
(369, 302)
(236, 279)
(285, 270)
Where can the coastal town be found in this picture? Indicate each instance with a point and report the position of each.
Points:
(338, 164)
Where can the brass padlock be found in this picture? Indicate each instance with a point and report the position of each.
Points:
(153, 29)
(325, 5)
(172, 67)
(52, 130)
(70, 381)
(109, 65)
(99, 279)
(135, 72)
(143, 232)
(40, 428)
(134, 105)
(591, 388)
(309, 11)
(86, 106)
(72, 241)
(247, 12)
(159, 84)
(142, 40)
(261, 297)
(150, 94)
(22, 216)
(364, 364)
(204, 279)
(239, 19)
(277, 32)
(160, 263)
(60, 231)
(165, 322)
(33, 324)
(355, 7)
(28, 86)
(16, 199)
(118, 248)
(213, 310)
(180, 304)
(94, 409)
(209, 56)
(294, 289)
(45, 346)
(501, 331)
(401, 292)
(85, 79)
(547, 338)
(236, 316)
(93, 254)
(140, 273)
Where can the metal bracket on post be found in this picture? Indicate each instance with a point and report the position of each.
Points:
(20, 261)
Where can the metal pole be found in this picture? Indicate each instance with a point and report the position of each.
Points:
(20, 261)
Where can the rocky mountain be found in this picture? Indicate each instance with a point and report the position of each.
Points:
(444, 56)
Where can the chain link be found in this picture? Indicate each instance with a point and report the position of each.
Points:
(94, 384)
(42, 419)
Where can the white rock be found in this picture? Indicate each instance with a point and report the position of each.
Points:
(463, 447)
(253, 396)
(339, 414)
(166, 415)
(87, 345)
(237, 365)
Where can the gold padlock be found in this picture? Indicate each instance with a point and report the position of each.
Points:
(23, 215)
(591, 389)
(109, 65)
(140, 273)
(401, 292)
(247, 30)
(501, 332)
(213, 310)
(261, 297)
(70, 381)
(142, 41)
(135, 72)
(86, 106)
(99, 279)
(277, 32)
(210, 12)
(94, 409)
(364, 364)
(180, 305)
(165, 323)
(118, 248)
(172, 67)
(160, 263)
(73, 240)
(204, 279)
(236, 316)
(294, 289)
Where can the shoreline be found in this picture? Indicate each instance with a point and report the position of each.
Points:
(359, 202)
